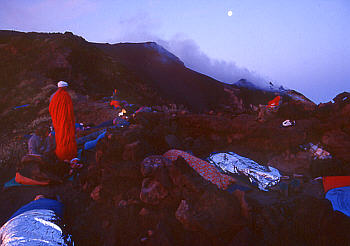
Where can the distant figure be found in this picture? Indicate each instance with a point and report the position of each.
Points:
(114, 100)
(62, 114)
(36, 223)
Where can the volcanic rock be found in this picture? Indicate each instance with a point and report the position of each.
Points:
(152, 192)
(338, 143)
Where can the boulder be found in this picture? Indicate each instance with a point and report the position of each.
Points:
(152, 192)
(173, 142)
(338, 144)
(96, 193)
(152, 164)
(131, 151)
(212, 213)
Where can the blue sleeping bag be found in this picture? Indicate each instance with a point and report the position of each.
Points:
(42, 203)
(340, 199)
(92, 144)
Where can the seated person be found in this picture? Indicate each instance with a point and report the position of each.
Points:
(36, 223)
(41, 142)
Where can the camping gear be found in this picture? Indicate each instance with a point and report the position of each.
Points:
(89, 137)
(36, 223)
(104, 124)
(115, 104)
(12, 183)
(21, 106)
(143, 109)
(62, 114)
(274, 102)
(340, 199)
(231, 163)
(331, 182)
(42, 203)
(318, 152)
(205, 169)
(288, 123)
(92, 144)
(116, 122)
(121, 113)
(120, 122)
(28, 181)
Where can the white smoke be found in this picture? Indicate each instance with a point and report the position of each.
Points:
(190, 53)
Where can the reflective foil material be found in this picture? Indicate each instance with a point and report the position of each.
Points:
(231, 163)
(34, 227)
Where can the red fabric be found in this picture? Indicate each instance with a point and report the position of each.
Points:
(205, 169)
(274, 102)
(115, 103)
(28, 181)
(139, 110)
(62, 114)
(331, 182)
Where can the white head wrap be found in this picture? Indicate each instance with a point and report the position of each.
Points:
(62, 84)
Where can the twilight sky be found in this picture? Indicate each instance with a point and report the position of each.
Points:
(300, 44)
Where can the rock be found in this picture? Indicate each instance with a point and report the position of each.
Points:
(173, 142)
(105, 224)
(152, 192)
(342, 98)
(151, 164)
(96, 193)
(327, 167)
(186, 179)
(116, 199)
(212, 213)
(144, 212)
(290, 164)
(131, 151)
(244, 237)
(302, 220)
(122, 204)
(338, 144)
(183, 214)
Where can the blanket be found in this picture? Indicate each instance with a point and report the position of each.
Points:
(340, 199)
(205, 169)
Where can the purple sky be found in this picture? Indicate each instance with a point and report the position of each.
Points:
(302, 45)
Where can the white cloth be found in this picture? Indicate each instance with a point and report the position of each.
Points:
(62, 84)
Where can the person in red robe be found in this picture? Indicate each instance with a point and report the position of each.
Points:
(62, 114)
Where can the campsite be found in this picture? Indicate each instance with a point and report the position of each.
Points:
(149, 132)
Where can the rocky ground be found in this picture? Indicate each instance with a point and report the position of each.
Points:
(119, 198)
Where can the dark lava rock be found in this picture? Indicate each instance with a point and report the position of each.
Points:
(338, 144)
(152, 191)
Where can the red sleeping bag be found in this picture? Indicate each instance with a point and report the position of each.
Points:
(331, 182)
(28, 181)
(274, 102)
(115, 104)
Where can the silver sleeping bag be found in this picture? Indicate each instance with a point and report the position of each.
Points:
(231, 163)
(34, 227)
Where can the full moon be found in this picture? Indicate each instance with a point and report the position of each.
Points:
(229, 13)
